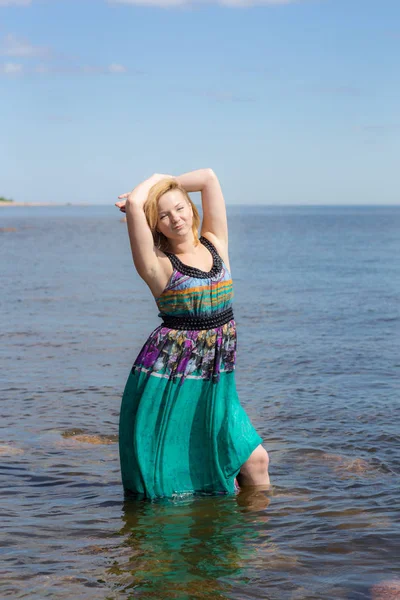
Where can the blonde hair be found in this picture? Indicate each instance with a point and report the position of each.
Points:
(151, 211)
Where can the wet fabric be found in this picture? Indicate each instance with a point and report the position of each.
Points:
(182, 427)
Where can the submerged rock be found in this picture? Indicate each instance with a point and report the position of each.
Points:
(85, 437)
(95, 439)
(386, 590)
(343, 465)
(6, 449)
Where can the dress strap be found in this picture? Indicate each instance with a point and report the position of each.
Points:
(206, 242)
(194, 271)
(174, 259)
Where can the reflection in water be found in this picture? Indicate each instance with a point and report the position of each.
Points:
(189, 548)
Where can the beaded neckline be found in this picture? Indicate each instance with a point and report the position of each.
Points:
(193, 271)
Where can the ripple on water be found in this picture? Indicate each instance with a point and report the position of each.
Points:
(317, 372)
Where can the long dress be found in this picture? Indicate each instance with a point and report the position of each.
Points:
(182, 427)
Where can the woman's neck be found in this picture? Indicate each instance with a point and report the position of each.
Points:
(185, 247)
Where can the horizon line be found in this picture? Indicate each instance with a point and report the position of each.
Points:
(82, 204)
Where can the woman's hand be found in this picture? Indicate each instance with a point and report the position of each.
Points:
(139, 194)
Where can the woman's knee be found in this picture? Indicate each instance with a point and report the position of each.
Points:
(257, 462)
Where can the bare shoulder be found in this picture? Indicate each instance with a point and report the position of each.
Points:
(220, 245)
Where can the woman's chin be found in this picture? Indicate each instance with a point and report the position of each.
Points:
(178, 233)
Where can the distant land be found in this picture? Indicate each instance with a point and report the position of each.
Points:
(16, 204)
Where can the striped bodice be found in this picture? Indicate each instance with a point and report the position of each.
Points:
(192, 292)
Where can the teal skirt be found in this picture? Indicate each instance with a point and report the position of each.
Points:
(179, 439)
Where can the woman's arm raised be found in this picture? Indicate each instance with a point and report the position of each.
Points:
(212, 199)
(144, 252)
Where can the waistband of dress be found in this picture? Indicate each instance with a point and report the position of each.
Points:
(207, 322)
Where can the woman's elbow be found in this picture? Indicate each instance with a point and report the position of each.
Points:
(210, 174)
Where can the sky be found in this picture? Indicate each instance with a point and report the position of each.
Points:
(289, 102)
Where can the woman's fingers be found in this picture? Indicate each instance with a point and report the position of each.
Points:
(121, 205)
(124, 195)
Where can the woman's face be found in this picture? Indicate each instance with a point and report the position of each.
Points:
(175, 215)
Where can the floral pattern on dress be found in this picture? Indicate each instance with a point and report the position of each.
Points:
(201, 354)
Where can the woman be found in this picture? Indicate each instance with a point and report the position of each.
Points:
(182, 427)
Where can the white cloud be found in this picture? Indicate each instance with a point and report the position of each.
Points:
(15, 2)
(90, 70)
(11, 68)
(11, 45)
(176, 3)
(232, 3)
(115, 68)
(14, 47)
(255, 2)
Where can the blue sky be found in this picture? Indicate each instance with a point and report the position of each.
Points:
(290, 102)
